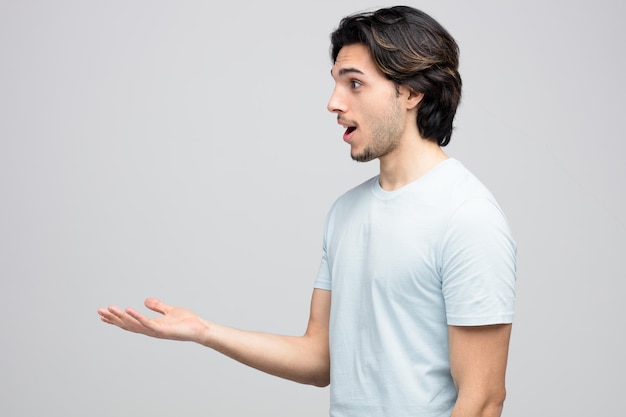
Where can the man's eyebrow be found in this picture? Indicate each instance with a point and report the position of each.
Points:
(349, 70)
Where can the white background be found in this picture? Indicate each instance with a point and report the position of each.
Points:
(182, 150)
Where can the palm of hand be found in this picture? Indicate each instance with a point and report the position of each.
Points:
(174, 323)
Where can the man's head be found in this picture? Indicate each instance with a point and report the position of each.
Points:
(411, 49)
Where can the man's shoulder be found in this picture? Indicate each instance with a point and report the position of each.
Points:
(358, 191)
(458, 182)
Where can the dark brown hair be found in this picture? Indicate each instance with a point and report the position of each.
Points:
(412, 49)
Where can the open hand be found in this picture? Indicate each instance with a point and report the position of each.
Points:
(174, 323)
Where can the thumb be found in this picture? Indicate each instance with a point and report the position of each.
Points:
(156, 305)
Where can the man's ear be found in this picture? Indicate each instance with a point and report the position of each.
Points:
(413, 99)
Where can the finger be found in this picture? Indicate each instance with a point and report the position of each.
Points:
(115, 311)
(107, 317)
(112, 321)
(156, 305)
(123, 320)
(137, 316)
(107, 314)
(104, 314)
(144, 324)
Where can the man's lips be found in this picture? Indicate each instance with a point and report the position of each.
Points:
(347, 136)
(350, 129)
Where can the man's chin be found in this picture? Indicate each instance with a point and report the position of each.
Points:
(364, 156)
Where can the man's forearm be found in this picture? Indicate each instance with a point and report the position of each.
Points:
(303, 359)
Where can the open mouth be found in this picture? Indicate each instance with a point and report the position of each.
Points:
(350, 128)
(347, 136)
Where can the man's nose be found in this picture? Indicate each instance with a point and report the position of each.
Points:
(336, 103)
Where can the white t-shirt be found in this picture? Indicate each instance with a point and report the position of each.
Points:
(402, 266)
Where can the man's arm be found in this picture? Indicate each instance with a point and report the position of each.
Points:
(303, 359)
(478, 356)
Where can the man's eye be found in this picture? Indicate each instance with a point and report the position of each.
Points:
(355, 84)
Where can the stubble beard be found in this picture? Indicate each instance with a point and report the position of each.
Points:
(373, 152)
(386, 134)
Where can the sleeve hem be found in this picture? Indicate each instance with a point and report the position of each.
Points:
(480, 321)
(322, 285)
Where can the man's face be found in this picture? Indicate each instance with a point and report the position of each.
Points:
(366, 104)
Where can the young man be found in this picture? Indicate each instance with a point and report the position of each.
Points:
(419, 260)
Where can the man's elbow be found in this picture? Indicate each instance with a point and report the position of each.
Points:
(493, 403)
(321, 382)
(320, 378)
(484, 404)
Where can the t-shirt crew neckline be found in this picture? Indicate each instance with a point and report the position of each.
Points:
(383, 194)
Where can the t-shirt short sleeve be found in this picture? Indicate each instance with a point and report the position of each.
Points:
(478, 265)
(323, 280)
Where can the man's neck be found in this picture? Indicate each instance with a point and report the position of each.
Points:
(408, 162)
